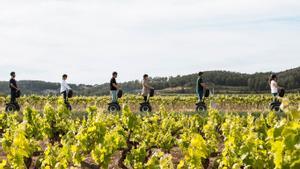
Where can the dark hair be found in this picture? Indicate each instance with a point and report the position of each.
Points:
(12, 73)
(114, 73)
(145, 75)
(64, 75)
(200, 73)
(272, 77)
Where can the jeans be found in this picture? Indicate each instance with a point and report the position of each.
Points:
(200, 94)
(65, 97)
(114, 96)
(13, 97)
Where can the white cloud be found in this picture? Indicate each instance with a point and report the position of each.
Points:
(88, 39)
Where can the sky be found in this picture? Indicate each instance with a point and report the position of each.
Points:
(89, 39)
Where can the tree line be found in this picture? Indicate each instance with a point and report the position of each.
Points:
(221, 81)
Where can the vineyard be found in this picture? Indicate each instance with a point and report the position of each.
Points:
(224, 103)
(236, 132)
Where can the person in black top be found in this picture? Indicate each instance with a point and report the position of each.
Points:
(114, 87)
(13, 87)
(200, 86)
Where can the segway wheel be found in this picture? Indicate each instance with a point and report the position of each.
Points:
(10, 108)
(275, 108)
(114, 108)
(145, 108)
(201, 107)
(69, 107)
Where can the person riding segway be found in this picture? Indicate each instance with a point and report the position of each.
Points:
(15, 92)
(116, 93)
(147, 92)
(201, 87)
(66, 91)
(276, 92)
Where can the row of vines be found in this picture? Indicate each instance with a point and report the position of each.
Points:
(58, 138)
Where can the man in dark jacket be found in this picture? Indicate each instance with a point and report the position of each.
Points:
(200, 86)
(13, 87)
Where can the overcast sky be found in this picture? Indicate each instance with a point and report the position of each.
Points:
(88, 39)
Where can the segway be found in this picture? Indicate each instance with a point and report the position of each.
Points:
(146, 106)
(12, 107)
(69, 95)
(275, 105)
(115, 106)
(201, 106)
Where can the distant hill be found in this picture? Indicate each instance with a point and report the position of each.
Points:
(221, 81)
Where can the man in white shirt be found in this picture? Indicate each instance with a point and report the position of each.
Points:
(274, 86)
(65, 88)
